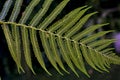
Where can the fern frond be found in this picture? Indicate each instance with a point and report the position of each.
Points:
(5, 9)
(12, 47)
(53, 14)
(36, 49)
(55, 52)
(16, 10)
(41, 13)
(64, 20)
(88, 30)
(25, 37)
(28, 11)
(65, 40)
(74, 19)
(49, 53)
(65, 55)
(94, 37)
(79, 25)
(33, 36)
(15, 30)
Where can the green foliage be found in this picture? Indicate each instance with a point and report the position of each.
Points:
(64, 40)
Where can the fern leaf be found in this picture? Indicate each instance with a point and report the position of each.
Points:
(53, 14)
(87, 58)
(33, 37)
(93, 37)
(79, 25)
(64, 20)
(71, 22)
(103, 46)
(53, 44)
(5, 9)
(17, 43)
(97, 63)
(107, 50)
(7, 33)
(100, 42)
(26, 48)
(65, 39)
(41, 13)
(80, 58)
(11, 47)
(15, 30)
(88, 30)
(36, 49)
(49, 54)
(28, 11)
(74, 56)
(25, 39)
(65, 56)
(16, 10)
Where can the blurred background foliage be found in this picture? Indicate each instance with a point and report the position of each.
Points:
(109, 11)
